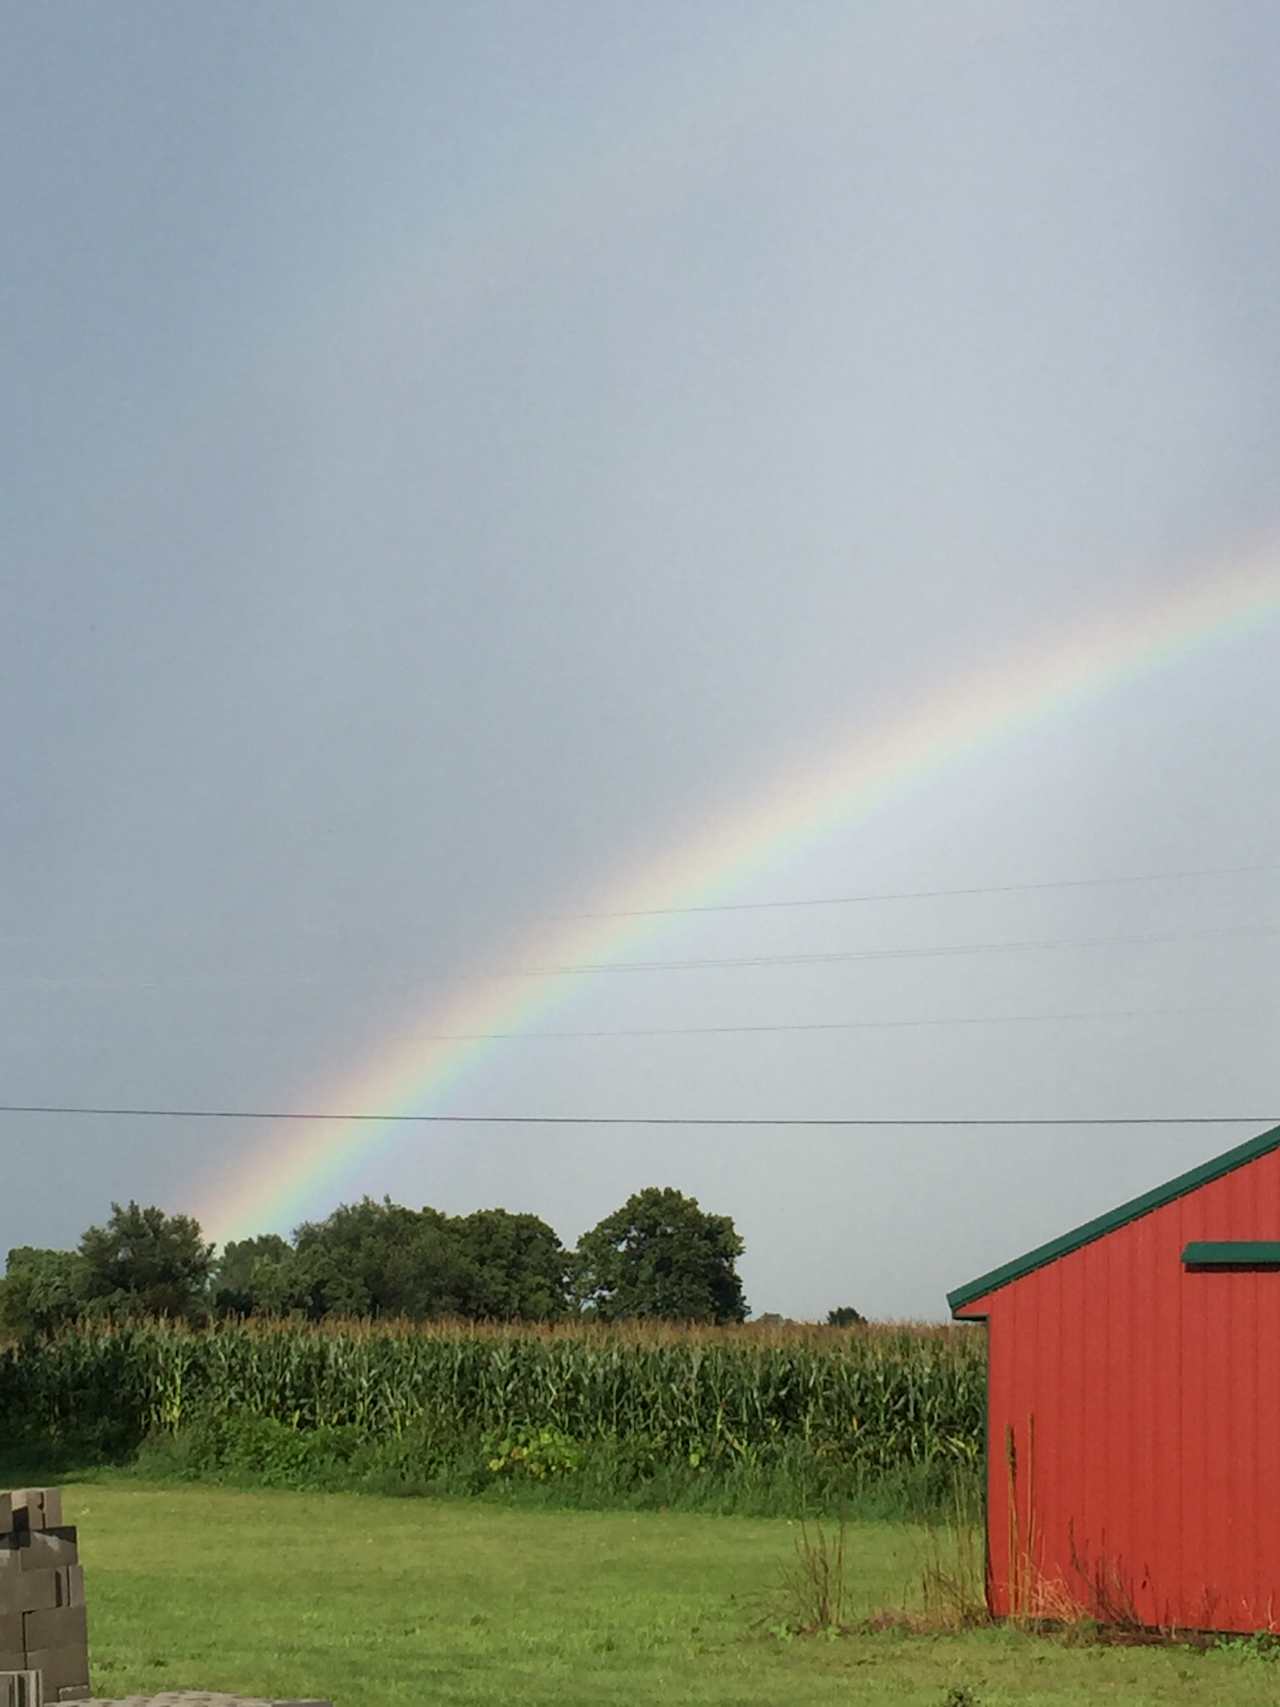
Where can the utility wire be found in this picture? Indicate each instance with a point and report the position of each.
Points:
(628, 1120)
(594, 967)
(836, 1025)
(926, 894)
(839, 955)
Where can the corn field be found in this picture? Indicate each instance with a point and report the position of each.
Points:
(878, 1398)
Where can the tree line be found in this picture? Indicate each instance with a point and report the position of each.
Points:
(660, 1256)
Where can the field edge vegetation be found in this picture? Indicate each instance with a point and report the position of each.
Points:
(875, 1421)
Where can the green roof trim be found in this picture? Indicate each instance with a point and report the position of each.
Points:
(1239, 1157)
(1232, 1253)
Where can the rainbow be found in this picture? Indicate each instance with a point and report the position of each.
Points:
(857, 772)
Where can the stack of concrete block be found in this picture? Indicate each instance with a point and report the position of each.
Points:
(43, 1627)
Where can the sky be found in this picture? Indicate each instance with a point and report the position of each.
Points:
(465, 467)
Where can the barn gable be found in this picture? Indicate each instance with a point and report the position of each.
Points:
(967, 1301)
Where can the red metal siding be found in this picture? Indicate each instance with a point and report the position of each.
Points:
(1143, 1403)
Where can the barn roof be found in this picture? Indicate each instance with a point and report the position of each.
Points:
(1238, 1157)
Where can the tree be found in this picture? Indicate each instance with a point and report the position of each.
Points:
(516, 1267)
(251, 1275)
(845, 1317)
(146, 1262)
(381, 1259)
(41, 1290)
(661, 1256)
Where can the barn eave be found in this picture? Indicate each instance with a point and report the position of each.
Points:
(1238, 1157)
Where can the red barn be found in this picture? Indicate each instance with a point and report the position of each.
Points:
(1133, 1426)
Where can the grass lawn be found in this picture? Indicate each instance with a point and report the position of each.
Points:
(368, 1600)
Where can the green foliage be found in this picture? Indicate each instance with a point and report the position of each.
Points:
(661, 1257)
(516, 1267)
(537, 1452)
(726, 1417)
(41, 1291)
(1260, 1648)
(255, 1275)
(144, 1262)
(846, 1317)
(380, 1259)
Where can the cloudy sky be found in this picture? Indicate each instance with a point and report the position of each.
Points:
(468, 466)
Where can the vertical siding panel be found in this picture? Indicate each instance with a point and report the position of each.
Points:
(1047, 1390)
(1164, 1389)
(1142, 1415)
(1120, 1415)
(1220, 1294)
(1248, 1475)
(1267, 1353)
(1073, 1496)
(1239, 1402)
(1192, 1467)
(1178, 1469)
(1077, 1325)
(1100, 1438)
(997, 1415)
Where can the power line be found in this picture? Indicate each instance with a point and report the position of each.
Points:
(593, 968)
(926, 894)
(834, 1025)
(880, 895)
(842, 955)
(628, 1120)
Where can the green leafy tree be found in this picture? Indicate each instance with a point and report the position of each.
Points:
(516, 1268)
(660, 1255)
(381, 1259)
(250, 1269)
(845, 1317)
(145, 1262)
(41, 1290)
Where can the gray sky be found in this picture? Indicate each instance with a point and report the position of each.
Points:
(456, 455)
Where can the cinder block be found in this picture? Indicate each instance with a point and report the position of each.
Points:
(36, 1509)
(28, 1591)
(6, 1513)
(46, 1549)
(43, 1508)
(59, 1627)
(10, 1632)
(69, 1585)
(59, 1667)
(21, 1689)
(74, 1692)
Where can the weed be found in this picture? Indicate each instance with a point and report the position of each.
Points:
(1261, 1648)
(954, 1581)
(813, 1588)
(536, 1452)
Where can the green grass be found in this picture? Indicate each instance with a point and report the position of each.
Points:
(366, 1599)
